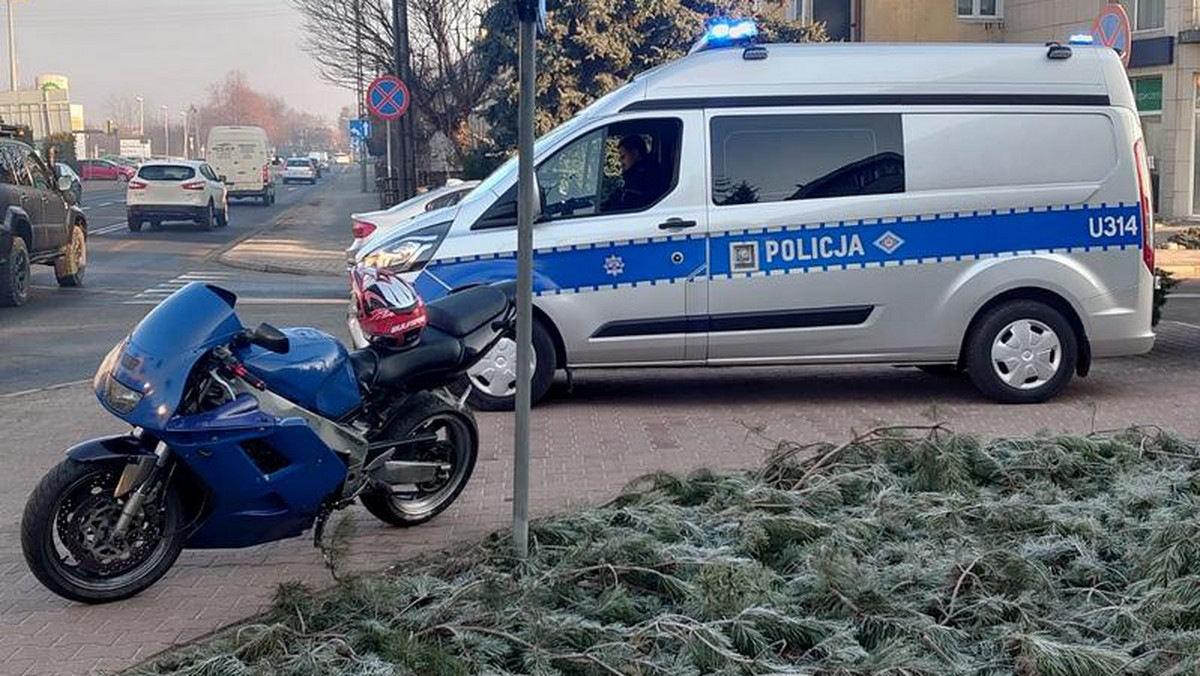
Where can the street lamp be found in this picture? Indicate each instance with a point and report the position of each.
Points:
(166, 132)
(141, 116)
(186, 138)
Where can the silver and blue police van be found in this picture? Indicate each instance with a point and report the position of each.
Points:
(981, 208)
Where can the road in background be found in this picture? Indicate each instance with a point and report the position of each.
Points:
(62, 334)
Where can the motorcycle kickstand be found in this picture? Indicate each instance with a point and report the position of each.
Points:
(319, 526)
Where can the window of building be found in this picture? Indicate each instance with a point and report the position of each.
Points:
(985, 10)
(837, 15)
(1146, 15)
(780, 158)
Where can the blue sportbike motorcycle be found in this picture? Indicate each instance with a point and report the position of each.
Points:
(241, 437)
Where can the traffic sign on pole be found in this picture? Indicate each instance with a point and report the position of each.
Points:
(1113, 29)
(387, 98)
(360, 129)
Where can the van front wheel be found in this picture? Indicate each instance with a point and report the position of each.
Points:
(1022, 352)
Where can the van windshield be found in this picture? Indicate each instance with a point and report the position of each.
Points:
(504, 171)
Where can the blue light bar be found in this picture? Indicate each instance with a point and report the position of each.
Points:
(727, 32)
(1082, 39)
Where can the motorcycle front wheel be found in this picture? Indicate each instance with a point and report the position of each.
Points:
(457, 444)
(68, 541)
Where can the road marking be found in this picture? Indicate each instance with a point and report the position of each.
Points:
(111, 228)
(1190, 326)
(261, 301)
(154, 294)
(1186, 296)
(49, 388)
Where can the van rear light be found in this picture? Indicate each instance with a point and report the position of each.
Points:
(363, 229)
(193, 185)
(1147, 204)
(138, 185)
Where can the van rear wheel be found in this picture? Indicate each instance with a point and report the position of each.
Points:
(1022, 352)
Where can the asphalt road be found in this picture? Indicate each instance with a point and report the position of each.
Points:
(61, 335)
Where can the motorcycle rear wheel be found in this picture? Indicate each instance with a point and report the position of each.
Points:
(458, 441)
(65, 534)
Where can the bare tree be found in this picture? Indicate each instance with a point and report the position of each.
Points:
(448, 85)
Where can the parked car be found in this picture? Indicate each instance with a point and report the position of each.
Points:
(300, 169)
(64, 170)
(105, 170)
(366, 225)
(241, 155)
(177, 190)
(984, 209)
(42, 224)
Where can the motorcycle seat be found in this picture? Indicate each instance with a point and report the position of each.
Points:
(390, 369)
(464, 312)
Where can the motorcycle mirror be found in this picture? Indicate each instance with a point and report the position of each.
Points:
(270, 338)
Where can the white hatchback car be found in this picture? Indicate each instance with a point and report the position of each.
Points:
(177, 190)
(299, 169)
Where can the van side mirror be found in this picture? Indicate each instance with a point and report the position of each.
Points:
(65, 184)
(223, 179)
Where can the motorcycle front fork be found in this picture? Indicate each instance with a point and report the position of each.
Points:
(144, 475)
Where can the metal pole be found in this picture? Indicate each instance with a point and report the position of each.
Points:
(527, 204)
(12, 48)
(141, 116)
(166, 132)
(391, 169)
(407, 160)
(362, 156)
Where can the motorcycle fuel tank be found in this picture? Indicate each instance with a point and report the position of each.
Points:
(315, 372)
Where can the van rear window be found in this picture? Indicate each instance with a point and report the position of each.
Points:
(166, 172)
(781, 158)
(299, 163)
(998, 150)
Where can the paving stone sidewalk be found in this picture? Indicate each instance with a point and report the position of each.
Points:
(614, 427)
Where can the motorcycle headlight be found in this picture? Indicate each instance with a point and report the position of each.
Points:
(120, 398)
(409, 253)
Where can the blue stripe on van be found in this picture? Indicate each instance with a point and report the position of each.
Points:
(813, 247)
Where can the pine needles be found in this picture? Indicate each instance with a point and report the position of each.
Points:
(906, 551)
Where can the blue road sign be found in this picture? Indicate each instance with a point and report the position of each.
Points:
(360, 129)
(387, 97)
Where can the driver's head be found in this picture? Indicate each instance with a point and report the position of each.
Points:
(632, 149)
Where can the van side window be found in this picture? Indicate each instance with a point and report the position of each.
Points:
(780, 158)
(37, 171)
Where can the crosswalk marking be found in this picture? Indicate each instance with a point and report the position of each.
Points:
(159, 291)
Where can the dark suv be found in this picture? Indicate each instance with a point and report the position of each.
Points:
(41, 223)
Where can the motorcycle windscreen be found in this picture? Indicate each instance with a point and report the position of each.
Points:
(142, 380)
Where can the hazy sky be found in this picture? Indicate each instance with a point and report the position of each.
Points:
(168, 51)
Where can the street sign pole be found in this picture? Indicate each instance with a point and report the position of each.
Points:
(391, 170)
(528, 203)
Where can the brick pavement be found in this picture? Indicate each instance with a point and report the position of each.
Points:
(614, 427)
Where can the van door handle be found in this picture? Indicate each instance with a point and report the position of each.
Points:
(676, 224)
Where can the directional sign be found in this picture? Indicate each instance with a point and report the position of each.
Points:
(1112, 29)
(387, 97)
(360, 129)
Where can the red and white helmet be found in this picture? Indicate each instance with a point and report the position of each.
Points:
(389, 310)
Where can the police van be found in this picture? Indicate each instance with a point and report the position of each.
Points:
(981, 208)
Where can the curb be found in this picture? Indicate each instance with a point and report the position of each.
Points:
(283, 269)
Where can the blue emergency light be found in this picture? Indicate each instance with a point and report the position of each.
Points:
(727, 32)
(1082, 39)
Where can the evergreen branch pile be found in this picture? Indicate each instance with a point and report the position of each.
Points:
(903, 552)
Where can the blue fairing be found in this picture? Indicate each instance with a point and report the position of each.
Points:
(315, 373)
(160, 353)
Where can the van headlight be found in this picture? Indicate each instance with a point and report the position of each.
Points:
(120, 398)
(409, 253)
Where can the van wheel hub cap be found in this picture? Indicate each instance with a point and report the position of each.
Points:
(1026, 354)
(496, 374)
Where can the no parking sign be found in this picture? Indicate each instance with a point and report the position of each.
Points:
(1113, 29)
(387, 97)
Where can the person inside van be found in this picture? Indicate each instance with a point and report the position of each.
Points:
(644, 180)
